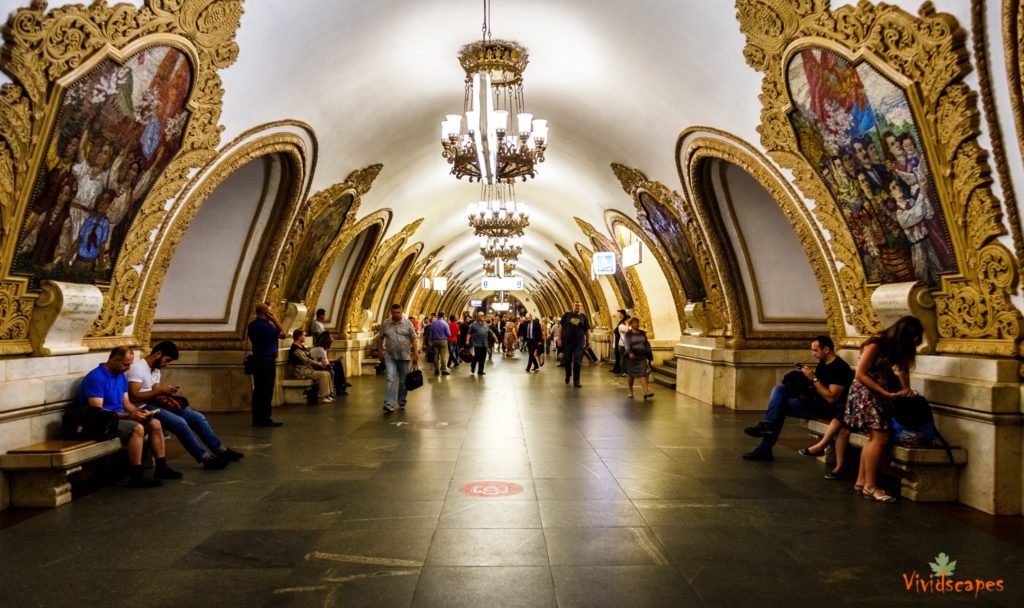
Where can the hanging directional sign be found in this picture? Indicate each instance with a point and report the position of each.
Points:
(502, 284)
(604, 263)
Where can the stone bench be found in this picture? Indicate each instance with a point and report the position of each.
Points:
(294, 390)
(925, 473)
(40, 473)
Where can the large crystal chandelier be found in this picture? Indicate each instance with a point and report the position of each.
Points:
(498, 214)
(505, 247)
(481, 145)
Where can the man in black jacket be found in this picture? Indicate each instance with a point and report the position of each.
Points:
(531, 333)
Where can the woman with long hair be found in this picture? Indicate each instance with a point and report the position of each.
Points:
(884, 358)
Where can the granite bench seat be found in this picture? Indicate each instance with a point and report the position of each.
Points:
(926, 474)
(40, 473)
(294, 390)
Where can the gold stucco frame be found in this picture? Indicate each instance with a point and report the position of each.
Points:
(44, 52)
(926, 55)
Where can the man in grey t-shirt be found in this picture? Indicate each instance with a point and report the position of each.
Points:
(398, 348)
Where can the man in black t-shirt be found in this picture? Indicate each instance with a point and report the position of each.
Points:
(831, 381)
(573, 338)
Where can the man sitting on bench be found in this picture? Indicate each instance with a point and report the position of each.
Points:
(144, 389)
(106, 387)
(831, 381)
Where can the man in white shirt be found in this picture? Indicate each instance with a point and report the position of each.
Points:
(147, 392)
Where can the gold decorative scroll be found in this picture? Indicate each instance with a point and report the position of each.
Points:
(377, 221)
(925, 54)
(44, 51)
(582, 273)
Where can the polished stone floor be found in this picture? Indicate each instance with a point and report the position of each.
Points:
(620, 503)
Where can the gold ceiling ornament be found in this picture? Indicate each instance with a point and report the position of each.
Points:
(480, 145)
(696, 146)
(493, 267)
(926, 56)
(45, 52)
(292, 150)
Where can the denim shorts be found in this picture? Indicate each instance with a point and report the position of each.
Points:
(125, 428)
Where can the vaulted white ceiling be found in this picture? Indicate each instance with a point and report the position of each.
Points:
(617, 80)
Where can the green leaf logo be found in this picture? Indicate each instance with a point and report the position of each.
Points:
(942, 566)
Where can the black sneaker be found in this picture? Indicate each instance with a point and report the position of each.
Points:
(231, 455)
(761, 429)
(167, 473)
(215, 463)
(446, 373)
(764, 455)
(831, 475)
(144, 482)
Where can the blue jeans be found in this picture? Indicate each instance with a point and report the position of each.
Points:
(182, 427)
(783, 403)
(398, 369)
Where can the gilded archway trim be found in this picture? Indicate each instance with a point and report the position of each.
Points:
(407, 281)
(588, 259)
(383, 258)
(43, 52)
(254, 144)
(377, 222)
(667, 269)
(640, 306)
(926, 55)
(387, 288)
(356, 185)
(593, 289)
(695, 148)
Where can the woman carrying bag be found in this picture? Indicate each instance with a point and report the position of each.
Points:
(638, 355)
(869, 406)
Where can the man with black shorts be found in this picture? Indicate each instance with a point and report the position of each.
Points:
(106, 387)
(573, 338)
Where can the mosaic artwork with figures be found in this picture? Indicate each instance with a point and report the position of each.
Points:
(856, 127)
(115, 132)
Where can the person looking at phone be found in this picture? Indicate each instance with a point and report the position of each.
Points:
(106, 387)
(145, 390)
(830, 379)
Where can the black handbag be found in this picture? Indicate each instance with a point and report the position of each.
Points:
(93, 423)
(249, 364)
(413, 380)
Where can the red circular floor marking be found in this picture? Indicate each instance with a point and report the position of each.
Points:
(491, 489)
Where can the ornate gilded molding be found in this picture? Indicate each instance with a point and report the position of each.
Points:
(588, 259)
(403, 288)
(194, 194)
(636, 291)
(591, 286)
(357, 184)
(352, 188)
(703, 144)
(667, 268)
(377, 221)
(926, 56)
(383, 257)
(1013, 37)
(45, 51)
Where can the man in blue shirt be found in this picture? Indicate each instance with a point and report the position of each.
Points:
(106, 387)
(436, 334)
(264, 332)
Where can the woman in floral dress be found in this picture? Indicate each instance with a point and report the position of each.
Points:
(870, 402)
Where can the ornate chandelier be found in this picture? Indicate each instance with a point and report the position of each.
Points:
(499, 267)
(505, 247)
(480, 144)
(498, 214)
